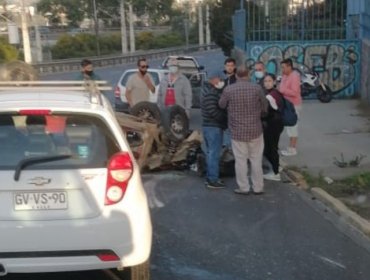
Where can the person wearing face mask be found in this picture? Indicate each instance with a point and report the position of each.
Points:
(259, 72)
(87, 71)
(179, 86)
(139, 85)
(214, 122)
(273, 126)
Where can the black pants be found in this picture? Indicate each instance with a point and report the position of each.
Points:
(271, 134)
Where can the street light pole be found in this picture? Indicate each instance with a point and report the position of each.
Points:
(208, 30)
(25, 34)
(123, 27)
(200, 23)
(96, 25)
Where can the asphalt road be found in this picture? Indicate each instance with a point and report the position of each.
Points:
(217, 235)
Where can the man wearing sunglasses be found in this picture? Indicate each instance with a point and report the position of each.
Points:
(139, 85)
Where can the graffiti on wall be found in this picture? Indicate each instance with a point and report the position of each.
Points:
(338, 64)
(365, 70)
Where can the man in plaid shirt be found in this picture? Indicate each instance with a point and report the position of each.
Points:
(245, 104)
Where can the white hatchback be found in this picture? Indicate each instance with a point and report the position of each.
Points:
(121, 103)
(71, 195)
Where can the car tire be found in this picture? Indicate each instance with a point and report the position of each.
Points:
(147, 111)
(175, 123)
(137, 272)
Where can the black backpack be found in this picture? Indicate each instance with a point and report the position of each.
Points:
(288, 113)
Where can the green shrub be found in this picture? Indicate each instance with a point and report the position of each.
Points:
(7, 51)
(145, 40)
(84, 45)
(167, 40)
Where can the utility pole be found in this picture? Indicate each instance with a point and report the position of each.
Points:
(200, 23)
(38, 42)
(132, 34)
(208, 30)
(96, 25)
(25, 34)
(123, 27)
(186, 27)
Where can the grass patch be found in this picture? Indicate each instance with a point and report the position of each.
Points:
(348, 190)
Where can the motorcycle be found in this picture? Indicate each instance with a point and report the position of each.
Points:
(311, 83)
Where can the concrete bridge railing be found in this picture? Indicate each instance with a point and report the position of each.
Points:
(71, 65)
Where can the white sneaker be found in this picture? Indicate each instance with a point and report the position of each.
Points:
(289, 152)
(272, 176)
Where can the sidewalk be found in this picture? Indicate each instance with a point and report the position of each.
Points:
(326, 131)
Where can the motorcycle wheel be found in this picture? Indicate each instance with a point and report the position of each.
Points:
(324, 96)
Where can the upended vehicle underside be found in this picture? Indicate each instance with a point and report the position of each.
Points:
(162, 140)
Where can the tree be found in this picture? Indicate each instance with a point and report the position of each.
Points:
(221, 24)
(77, 10)
(158, 10)
(74, 9)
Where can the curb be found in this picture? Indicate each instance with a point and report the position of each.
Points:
(335, 204)
(341, 209)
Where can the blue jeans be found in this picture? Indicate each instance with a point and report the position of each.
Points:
(213, 142)
(227, 139)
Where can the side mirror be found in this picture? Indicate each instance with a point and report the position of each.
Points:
(201, 67)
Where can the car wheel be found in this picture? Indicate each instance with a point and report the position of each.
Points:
(175, 123)
(137, 272)
(324, 96)
(147, 111)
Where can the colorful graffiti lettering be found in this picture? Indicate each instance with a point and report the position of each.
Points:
(338, 64)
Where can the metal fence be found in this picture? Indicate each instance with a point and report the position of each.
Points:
(282, 20)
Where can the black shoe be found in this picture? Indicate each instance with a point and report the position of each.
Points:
(221, 182)
(214, 185)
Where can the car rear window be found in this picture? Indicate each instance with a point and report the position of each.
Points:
(154, 75)
(183, 62)
(86, 138)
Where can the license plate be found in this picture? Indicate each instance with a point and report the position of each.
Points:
(40, 200)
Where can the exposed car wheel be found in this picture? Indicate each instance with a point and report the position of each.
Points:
(138, 272)
(175, 123)
(324, 96)
(147, 111)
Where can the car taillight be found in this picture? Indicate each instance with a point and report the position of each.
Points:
(108, 257)
(120, 169)
(39, 112)
(117, 92)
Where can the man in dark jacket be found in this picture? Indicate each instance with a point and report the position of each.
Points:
(87, 71)
(230, 70)
(214, 122)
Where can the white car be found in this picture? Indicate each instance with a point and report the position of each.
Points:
(71, 195)
(121, 103)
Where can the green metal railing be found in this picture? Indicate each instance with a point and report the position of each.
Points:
(282, 20)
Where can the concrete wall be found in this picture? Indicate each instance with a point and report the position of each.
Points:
(365, 71)
(337, 62)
